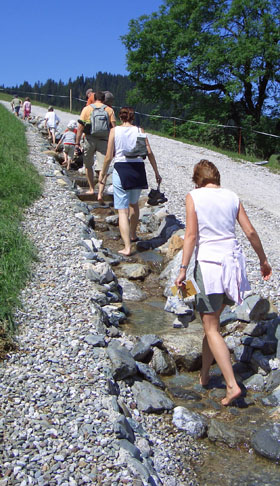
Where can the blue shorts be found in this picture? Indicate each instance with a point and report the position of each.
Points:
(123, 198)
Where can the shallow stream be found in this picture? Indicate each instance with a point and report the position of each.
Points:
(221, 464)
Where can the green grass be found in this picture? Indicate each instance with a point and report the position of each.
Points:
(274, 163)
(20, 185)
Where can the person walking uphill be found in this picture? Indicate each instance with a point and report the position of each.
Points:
(129, 175)
(51, 123)
(16, 104)
(95, 122)
(211, 214)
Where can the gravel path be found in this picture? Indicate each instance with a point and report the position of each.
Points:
(56, 423)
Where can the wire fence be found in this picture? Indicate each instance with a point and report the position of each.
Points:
(174, 120)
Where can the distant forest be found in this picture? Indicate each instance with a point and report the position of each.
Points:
(119, 85)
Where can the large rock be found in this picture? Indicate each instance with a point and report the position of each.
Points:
(150, 375)
(130, 291)
(193, 423)
(134, 271)
(150, 399)
(123, 364)
(163, 363)
(175, 244)
(266, 441)
(186, 347)
(223, 432)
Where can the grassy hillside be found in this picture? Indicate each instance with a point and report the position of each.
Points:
(20, 185)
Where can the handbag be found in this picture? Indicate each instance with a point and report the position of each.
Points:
(140, 148)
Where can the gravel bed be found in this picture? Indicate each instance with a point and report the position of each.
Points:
(55, 427)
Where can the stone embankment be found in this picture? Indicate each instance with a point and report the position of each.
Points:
(79, 393)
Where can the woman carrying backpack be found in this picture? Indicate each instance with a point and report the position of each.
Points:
(129, 176)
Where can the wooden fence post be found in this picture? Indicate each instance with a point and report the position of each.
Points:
(70, 100)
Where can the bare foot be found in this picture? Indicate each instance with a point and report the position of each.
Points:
(232, 393)
(204, 378)
(100, 199)
(125, 252)
(89, 192)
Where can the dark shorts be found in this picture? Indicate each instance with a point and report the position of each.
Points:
(207, 304)
(17, 108)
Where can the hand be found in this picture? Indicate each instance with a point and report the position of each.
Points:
(266, 270)
(181, 277)
(158, 178)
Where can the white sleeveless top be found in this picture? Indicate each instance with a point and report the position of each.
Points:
(125, 140)
(216, 210)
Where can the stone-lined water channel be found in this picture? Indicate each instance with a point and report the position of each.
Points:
(230, 458)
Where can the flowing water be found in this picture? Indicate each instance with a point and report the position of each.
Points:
(221, 465)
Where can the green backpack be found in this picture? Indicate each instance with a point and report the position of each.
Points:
(99, 120)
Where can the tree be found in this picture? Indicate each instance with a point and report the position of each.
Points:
(227, 47)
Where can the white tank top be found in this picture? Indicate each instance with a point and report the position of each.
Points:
(216, 211)
(125, 140)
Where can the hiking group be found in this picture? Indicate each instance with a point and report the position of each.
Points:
(211, 216)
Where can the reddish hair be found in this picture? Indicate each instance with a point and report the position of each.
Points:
(126, 114)
(205, 172)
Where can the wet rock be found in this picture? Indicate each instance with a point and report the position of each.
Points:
(193, 423)
(135, 271)
(223, 432)
(179, 392)
(130, 291)
(150, 375)
(163, 363)
(150, 399)
(266, 441)
(255, 382)
(152, 340)
(186, 348)
(123, 365)
(142, 352)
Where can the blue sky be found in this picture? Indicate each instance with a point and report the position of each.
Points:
(59, 39)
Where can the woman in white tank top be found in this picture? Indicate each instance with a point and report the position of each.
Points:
(129, 176)
(211, 214)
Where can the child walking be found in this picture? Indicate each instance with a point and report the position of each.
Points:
(68, 139)
(26, 108)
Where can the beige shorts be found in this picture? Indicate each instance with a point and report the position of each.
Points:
(94, 146)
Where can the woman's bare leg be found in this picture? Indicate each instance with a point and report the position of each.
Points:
(125, 231)
(133, 219)
(207, 355)
(219, 350)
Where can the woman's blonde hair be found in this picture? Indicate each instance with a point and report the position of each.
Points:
(205, 172)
